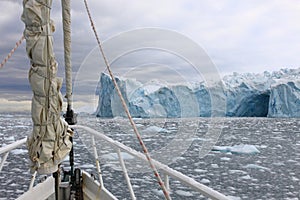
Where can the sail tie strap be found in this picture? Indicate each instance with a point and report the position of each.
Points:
(145, 150)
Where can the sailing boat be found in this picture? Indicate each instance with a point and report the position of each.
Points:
(51, 138)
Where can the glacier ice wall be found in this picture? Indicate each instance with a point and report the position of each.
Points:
(275, 94)
(285, 100)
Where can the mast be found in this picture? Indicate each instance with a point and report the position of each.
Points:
(70, 116)
(66, 17)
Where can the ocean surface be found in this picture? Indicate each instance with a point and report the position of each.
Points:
(267, 168)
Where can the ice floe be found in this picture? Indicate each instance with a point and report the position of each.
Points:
(254, 166)
(19, 151)
(155, 129)
(114, 156)
(184, 193)
(205, 181)
(237, 149)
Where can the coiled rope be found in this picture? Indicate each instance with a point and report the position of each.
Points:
(145, 150)
(11, 52)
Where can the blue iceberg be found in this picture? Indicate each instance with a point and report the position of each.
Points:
(275, 94)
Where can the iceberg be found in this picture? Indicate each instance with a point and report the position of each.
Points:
(285, 100)
(269, 94)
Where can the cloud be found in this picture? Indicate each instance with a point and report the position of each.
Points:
(240, 36)
(25, 106)
(14, 106)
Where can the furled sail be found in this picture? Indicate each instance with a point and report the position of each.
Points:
(49, 143)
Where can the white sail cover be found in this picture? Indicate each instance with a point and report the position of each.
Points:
(49, 143)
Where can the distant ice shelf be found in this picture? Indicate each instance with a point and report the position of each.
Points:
(275, 94)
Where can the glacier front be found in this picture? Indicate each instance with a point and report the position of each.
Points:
(275, 94)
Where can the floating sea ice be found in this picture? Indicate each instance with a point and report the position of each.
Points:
(225, 158)
(247, 177)
(184, 193)
(291, 161)
(254, 166)
(200, 170)
(237, 149)
(114, 156)
(137, 119)
(215, 166)
(139, 125)
(234, 198)
(11, 138)
(19, 151)
(87, 166)
(158, 192)
(234, 171)
(19, 191)
(154, 129)
(205, 181)
(244, 149)
(278, 163)
(263, 146)
(20, 126)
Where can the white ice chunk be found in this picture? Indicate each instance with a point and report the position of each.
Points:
(237, 149)
(114, 156)
(225, 158)
(234, 198)
(247, 177)
(184, 193)
(205, 181)
(11, 138)
(154, 129)
(254, 166)
(215, 166)
(19, 151)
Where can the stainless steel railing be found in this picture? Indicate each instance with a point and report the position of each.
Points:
(167, 171)
(6, 149)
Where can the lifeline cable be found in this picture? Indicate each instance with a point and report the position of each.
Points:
(12, 51)
(145, 150)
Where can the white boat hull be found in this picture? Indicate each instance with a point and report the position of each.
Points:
(91, 190)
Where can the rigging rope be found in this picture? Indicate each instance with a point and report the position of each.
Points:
(12, 51)
(145, 150)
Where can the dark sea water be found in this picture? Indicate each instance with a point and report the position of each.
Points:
(272, 173)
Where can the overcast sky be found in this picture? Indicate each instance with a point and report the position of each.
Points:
(238, 36)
